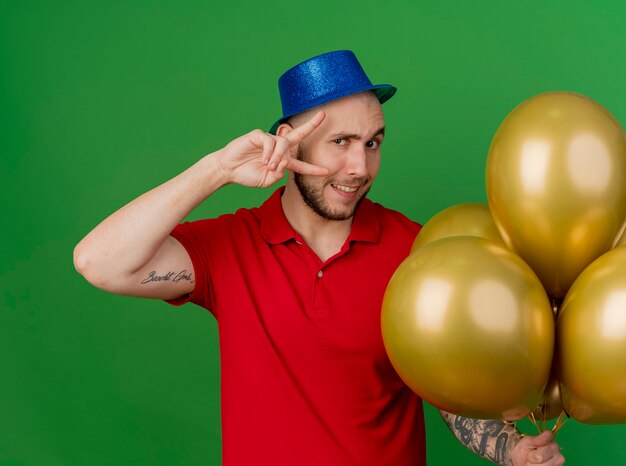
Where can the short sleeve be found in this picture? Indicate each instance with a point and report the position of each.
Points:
(196, 238)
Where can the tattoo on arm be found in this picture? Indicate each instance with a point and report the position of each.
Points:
(491, 439)
(173, 277)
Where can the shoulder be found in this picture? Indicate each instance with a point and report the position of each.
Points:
(395, 221)
(223, 224)
(393, 238)
(395, 232)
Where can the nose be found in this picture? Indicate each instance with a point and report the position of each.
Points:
(356, 165)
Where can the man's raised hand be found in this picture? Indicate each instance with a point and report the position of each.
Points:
(260, 159)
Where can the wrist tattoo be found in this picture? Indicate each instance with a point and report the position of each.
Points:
(173, 277)
(491, 439)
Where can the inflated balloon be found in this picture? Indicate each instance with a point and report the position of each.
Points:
(621, 240)
(556, 184)
(468, 326)
(550, 405)
(591, 335)
(470, 219)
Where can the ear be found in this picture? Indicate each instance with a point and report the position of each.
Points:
(284, 129)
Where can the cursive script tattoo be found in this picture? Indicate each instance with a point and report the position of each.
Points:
(491, 439)
(173, 277)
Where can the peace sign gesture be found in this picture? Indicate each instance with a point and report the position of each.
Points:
(260, 159)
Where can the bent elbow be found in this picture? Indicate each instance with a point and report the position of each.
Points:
(85, 265)
(81, 261)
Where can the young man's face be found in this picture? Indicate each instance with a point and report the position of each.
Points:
(348, 144)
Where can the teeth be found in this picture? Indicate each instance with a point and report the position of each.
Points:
(345, 189)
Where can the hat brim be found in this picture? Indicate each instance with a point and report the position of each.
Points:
(383, 93)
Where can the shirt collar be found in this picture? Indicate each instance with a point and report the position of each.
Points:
(276, 229)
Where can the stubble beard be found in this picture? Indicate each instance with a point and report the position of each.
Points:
(313, 195)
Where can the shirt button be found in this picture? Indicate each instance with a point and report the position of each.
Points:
(320, 274)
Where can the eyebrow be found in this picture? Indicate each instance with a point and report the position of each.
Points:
(380, 132)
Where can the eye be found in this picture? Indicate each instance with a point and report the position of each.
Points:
(373, 144)
(340, 141)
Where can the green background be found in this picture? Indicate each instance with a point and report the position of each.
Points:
(102, 100)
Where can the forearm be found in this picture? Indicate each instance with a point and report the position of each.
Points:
(490, 439)
(134, 240)
(126, 240)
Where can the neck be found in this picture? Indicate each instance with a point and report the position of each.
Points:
(325, 237)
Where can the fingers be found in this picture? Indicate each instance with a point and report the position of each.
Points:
(280, 150)
(305, 168)
(276, 151)
(268, 148)
(302, 131)
(542, 439)
(275, 148)
(546, 457)
(537, 450)
(547, 453)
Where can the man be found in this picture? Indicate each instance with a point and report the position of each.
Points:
(296, 285)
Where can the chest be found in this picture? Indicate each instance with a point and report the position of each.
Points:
(301, 304)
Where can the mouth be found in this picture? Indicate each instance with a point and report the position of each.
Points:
(349, 191)
(344, 188)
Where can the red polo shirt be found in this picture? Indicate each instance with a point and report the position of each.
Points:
(305, 379)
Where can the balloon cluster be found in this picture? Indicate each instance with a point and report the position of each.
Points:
(519, 308)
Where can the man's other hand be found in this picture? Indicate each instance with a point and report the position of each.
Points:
(537, 449)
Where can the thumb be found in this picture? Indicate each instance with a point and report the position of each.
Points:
(540, 440)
